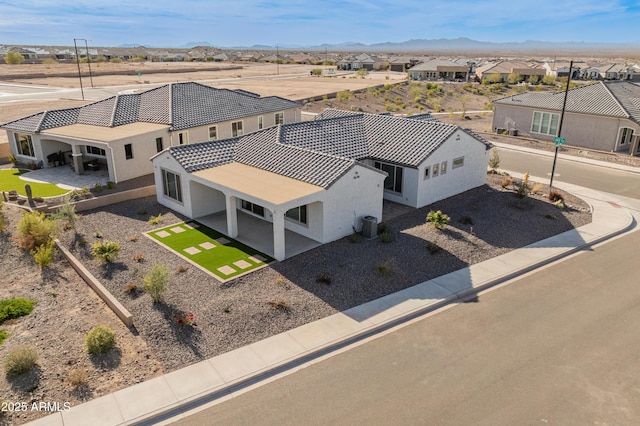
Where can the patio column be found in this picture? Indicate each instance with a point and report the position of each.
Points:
(76, 159)
(232, 216)
(278, 236)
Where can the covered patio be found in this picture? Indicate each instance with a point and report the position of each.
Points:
(225, 191)
(66, 177)
(258, 233)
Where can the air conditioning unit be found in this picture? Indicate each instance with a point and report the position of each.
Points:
(369, 227)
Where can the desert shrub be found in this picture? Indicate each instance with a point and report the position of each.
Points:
(383, 268)
(78, 378)
(555, 196)
(181, 269)
(386, 236)
(154, 220)
(20, 361)
(437, 219)
(49, 61)
(537, 188)
(131, 289)
(155, 281)
(323, 278)
(100, 339)
(133, 238)
(316, 71)
(3, 335)
(355, 238)
(115, 60)
(43, 254)
(13, 58)
(3, 221)
(67, 212)
(506, 181)
(35, 229)
(279, 305)
(111, 185)
(15, 308)
(494, 160)
(97, 187)
(362, 73)
(105, 251)
(343, 95)
(523, 188)
(138, 257)
(433, 248)
(466, 220)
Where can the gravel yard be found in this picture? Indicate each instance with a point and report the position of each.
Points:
(485, 222)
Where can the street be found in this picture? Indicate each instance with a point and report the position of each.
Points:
(556, 346)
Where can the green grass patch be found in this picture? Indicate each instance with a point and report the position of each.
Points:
(211, 254)
(10, 179)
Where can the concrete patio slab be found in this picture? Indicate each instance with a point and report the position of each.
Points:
(242, 264)
(222, 240)
(207, 245)
(162, 234)
(177, 229)
(226, 270)
(192, 250)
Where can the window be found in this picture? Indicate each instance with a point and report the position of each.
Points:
(253, 208)
(159, 144)
(213, 133)
(260, 122)
(128, 151)
(236, 129)
(434, 173)
(625, 135)
(427, 172)
(457, 162)
(24, 144)
(183, 138)
(279, 118)
(171, 185)
(393, 182)
(443, 168)
(94, 150)
(545, 123)
(297, 214)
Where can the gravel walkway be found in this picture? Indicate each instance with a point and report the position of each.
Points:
(312, 285)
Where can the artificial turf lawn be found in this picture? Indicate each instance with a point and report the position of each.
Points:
(10, 179)
(211, 259)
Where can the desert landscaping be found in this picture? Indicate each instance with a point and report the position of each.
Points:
(200, 317)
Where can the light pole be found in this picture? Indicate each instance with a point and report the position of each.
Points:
(559, 140)
(78, 63)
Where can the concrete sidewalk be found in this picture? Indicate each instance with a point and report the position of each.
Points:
(172, 395)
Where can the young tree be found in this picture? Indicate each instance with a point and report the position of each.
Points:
(494, 160)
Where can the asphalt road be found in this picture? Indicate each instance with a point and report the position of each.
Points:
(558, 346)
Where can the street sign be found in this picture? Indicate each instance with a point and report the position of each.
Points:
(559, 141)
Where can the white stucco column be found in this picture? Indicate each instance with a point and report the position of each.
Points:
(278, 236)
(232, 216)
(76, 158)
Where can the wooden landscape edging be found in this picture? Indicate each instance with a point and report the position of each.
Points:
(100, 290)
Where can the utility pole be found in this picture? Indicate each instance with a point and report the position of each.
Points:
(86, 46)
(75, 44)
(277, 61)
(560, 140)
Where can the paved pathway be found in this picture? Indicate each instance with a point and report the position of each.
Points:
(173, 394)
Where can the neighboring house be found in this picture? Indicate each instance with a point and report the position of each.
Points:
(561, 69)
(364, 60)
(503, 69)
(320, 178)
(124, 131)
(440, 69)
(403, 63)
(603, 115)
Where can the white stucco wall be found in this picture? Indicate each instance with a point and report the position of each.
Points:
(357, 194)
(166, 161)
(143, 146)
(408, 196)
(455, 181)
(224, 130)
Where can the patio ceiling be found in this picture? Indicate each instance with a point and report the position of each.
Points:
(104, 134)
(259, 184)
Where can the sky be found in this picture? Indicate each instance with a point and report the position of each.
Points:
(229, 23)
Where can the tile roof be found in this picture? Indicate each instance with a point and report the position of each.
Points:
(605, 98)
(178, 105)
(320, 151)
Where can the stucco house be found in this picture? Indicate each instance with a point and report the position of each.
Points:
(320, 178)
(437, 69)
(122, 132)
(525, 70)
(603, 115)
